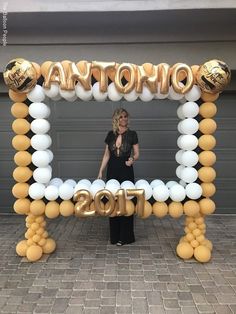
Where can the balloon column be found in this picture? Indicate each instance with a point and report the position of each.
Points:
(39, 195)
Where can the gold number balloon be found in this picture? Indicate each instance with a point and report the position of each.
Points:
(111, 200)
(139, 194)
(121, 203)
(213, 76)
(20, 75)
(83, 199)
(181, 67)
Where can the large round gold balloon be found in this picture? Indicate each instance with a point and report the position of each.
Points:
(147, 210)
(202, 254)
(22, 174)
(207, 206)
(208, 189)
(207, 126)
(207, 158)
(67, 208)
(209, 97)
(49, 246)
(21, 142)
(19, 110)
(207, 142)
(207, 110)
(52, 209)
(160, 209)
(20, 75)
(16, 96)
(37, 207)
(20, 190)
(21, 248)
(34, 253)
(22, 206)
(184, 250)
(130, 208)
(22, 158)
(207, 174)
(20, 126)
(176, 209)
(213, 76)
(191, 208)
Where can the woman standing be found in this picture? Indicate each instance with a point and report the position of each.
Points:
(121, 151)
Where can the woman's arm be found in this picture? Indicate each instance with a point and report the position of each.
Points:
(105, 159)
(135, 155)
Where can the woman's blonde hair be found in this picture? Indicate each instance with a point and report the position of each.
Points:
(115, 118)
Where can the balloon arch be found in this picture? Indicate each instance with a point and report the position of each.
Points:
(39, 195)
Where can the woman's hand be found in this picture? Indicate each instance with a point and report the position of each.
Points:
(129, 162)
(99, 175)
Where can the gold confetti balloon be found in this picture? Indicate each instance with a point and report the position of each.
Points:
(20, 75)
(213, 76)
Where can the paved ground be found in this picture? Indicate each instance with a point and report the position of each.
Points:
(88, 275)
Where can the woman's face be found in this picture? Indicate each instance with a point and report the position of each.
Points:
(123, 119)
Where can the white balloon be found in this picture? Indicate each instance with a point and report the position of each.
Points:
(113, 181)
(83, 94)
(81, 186)
(49, 167)
(71, 182)
(113, 93)
(158, 95)
(85, 181)
(127, 185)
(131, 96)
(188, 142)
(179, 171)
(181, 182)
(146, 94)
(193, 190)
(36, 94)
(173, 95)
(58, 97)
(41, 141)
(194, 94)
(180, 112)
(155, 183)
(95, 188)
(161, 193)
(99, 181)
(178, 156)
(190, 109)
(40, 126)
(147, 191)
(42, 175)
(40, 158)
(112, 186)
(72, 98)
(169, 184)
(97, 94)
(66, 191)
(53, 91)
(179, 141)
(56, 181)
(39, 110)
(188, 126)
(36, 191)
(189, 158)
(189, 174)
(140, 183)
(51, 192)
(182, 100)
(67, 94)
(50, 154)
(177, 193)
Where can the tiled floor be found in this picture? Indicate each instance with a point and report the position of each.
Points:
(88, 275)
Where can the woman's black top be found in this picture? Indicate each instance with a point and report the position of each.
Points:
(116, 168)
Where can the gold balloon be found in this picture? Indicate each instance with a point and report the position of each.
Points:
(19, 110)
(42, 242)
(129, 86)
(37, 69)
(164, 77)
(37, 207)
(49, 246)
(20, 190)
(22, 158)
(83, 199)
(45, 67)
(17, 97)
(52, 209)
(111, 201)
(202, 254)
(22, 206)
(103, 76)
(21, 142)
(121, 202)
(206, 142)
(147, 210)
(184, 250)
(213, 76)
(181, 67)
(20, 126)
(194, 243)
(195, 69)
(129, 208)
(207, 110)
(208, 244)
(79, 73)
(207, 126)
(22, 174)
(207, 158)
(191, 208)
(140, 195)
(21, 248)
(209, 97)
(20, 75)
(160, 209)
(207, 174)
(189, 236)
(67, 208)
(208, 189)
(55, 73)
(207, 206)
(147, 74)
(34, 253)
(176, 209)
